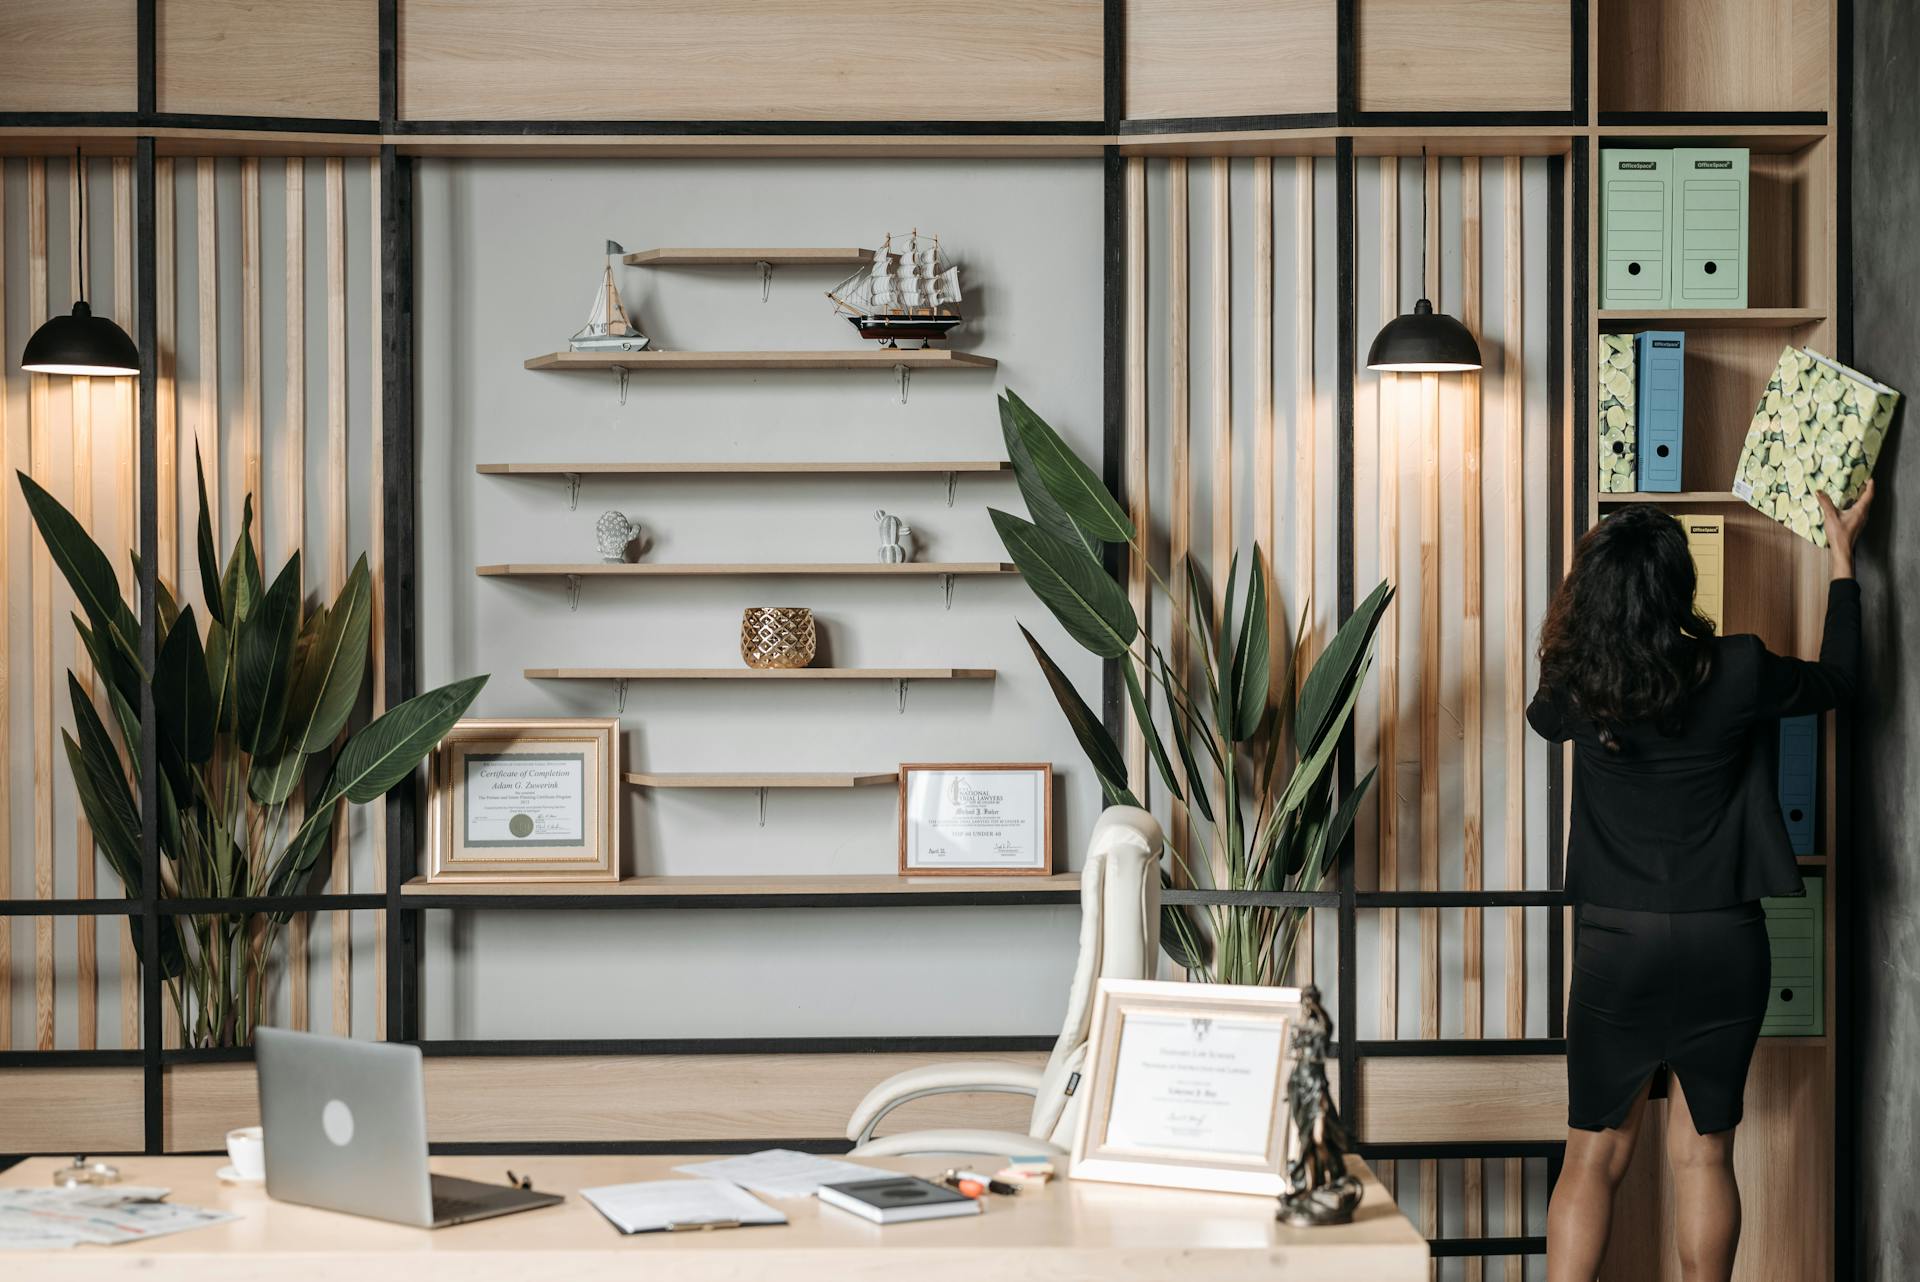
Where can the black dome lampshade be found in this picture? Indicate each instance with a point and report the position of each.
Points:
(1424, 341)
(81, 343)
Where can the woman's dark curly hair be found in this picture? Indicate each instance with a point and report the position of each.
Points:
(1622, 642)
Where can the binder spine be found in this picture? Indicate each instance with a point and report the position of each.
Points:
(1799, 774)
(1661, 360)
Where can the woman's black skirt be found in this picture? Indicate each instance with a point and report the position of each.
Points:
(1681, 991)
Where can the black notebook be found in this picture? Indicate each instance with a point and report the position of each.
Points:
(895, 1199)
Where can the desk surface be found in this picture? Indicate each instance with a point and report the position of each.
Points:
(1066, 1230)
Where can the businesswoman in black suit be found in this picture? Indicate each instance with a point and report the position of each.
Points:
(1676, 835)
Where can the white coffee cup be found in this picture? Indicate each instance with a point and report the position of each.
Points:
(247, 1150)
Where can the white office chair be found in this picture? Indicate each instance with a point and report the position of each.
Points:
(1119, 939)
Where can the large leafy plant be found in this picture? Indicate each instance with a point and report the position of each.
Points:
(246, 713)
(1253, 766)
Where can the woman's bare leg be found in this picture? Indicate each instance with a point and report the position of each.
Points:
(1706, 1200)
(1581, 1212)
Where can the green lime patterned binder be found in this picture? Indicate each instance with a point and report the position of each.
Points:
(1818, 429)
(1617, 424)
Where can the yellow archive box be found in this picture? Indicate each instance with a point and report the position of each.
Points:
(1707, 540)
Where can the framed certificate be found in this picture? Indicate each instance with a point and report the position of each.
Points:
(524, 799)
(1186, 1086)
(976, 820)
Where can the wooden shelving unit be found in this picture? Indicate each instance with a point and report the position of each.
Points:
(1710, 318)
(748, 257)
(745, 467)
(696, 569)
(830, 891)
(763, 781)
(873, 358)
(760, 674)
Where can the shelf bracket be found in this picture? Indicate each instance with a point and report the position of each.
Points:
(946, 587)
(900, 689)
(573, 492)
(573, 593)
(621, 372)
(766, 278)
(763, 807)
(953, 485)
(905, 372)
(620, 694)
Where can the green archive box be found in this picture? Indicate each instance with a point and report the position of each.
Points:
(1636, 210)
(1709, 219)
(1797, 1003)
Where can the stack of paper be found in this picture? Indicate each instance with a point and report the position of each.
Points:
(53, 1218)
(780, 1172)
(660, 1206)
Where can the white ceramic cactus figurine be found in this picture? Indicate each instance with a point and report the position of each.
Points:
(615, 533)
(893, 535)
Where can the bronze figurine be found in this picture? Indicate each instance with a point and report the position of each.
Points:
(1319, 1189)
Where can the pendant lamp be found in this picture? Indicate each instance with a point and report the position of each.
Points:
(1424, 341)
(81, 343)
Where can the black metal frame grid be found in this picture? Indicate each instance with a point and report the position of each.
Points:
(1569, 309)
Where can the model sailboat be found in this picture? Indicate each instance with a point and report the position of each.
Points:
(908, 293)
(608, 326)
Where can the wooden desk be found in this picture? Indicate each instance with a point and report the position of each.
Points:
(1069, 1230)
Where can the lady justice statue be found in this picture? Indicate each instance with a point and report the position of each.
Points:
(1319, 1188)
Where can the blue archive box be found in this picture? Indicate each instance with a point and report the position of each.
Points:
(1799, 775)
(1660, 355)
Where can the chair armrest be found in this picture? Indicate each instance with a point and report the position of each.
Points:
(961, 1078)
(962, 1143)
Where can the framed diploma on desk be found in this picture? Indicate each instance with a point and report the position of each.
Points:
(526, 800)
(976, 820)
(1186, 1086)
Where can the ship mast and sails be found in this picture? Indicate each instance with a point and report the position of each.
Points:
(907, 293)
(608, 325)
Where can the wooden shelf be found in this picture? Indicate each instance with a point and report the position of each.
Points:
(883, 890)
(685, 569)
(854, 358)
(746, 468)
(800, 779)
(1715, 318)
(748, 257)
(760, 674)
(1711, 497)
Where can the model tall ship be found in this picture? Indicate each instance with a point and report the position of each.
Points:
(608, 326)
(908, 293)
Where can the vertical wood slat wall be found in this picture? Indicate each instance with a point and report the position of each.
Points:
(77, 438)
(1428, 430)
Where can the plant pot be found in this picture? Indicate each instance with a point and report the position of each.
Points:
(777, 636)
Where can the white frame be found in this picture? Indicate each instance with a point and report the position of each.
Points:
(1114, 1000)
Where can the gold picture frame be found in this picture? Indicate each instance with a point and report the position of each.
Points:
(525, 799)
(1186, 1086)
(1021, 813)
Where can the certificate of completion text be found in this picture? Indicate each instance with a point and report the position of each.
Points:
(526, 799)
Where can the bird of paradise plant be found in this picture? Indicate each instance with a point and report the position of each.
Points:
(1260, 828)
(244, 714)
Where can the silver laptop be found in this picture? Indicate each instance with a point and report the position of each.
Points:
(346, 1130)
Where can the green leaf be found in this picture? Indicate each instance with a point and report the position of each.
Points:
(220, 669)
(1090, 606)
(210, 588)
(169, 609)
(98, 777)
(240, 589)
(330, 663)
(121, 674)
(1183, 731)
(1337, 670)
(263, 661)
(1308, 774)
(182, 700)
(1102, 753)
(1041, 505)
(1250, 677)
(86, 568)
(385, 752)
(1071, 483)
(1143, 714)
(295, 865)
(1335, 833)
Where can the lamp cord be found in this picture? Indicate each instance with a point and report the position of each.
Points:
(80, 229)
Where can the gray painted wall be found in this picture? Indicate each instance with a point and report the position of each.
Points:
(1885, 910)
